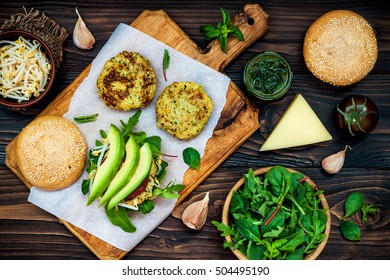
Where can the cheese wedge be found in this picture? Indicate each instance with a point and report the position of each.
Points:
(298, 126)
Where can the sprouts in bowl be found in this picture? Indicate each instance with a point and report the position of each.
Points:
(26, 69)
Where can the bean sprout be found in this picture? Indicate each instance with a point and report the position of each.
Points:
(24, 69)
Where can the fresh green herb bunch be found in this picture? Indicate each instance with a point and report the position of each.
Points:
(222, 31)
(277, 215)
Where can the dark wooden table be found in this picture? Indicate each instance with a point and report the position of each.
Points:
(27, 232)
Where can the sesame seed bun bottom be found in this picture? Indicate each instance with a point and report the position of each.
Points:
(51, 152)
(340, 48)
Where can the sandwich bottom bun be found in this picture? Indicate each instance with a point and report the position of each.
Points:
(340, 48)
(51, 152)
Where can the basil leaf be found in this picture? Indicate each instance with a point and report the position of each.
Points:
(236, 32)
(248, 230)
(120, 218)
(353, 204)
(222, 30)
(191, 157)
(350, 231)
(225, 17)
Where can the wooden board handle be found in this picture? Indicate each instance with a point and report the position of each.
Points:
(252, 20)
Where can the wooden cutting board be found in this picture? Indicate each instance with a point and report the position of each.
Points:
(238, 121)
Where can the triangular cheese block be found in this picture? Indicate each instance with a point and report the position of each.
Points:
(298, 126)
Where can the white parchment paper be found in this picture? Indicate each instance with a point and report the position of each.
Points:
(69, 204)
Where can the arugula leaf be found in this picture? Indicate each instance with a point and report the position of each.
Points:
(128, 127)
(170, 191)
(224, 229)
(367, 209)
(191, 157)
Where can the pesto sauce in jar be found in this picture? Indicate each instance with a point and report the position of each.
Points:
(267, 76)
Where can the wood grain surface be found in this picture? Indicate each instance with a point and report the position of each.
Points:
(27, 232)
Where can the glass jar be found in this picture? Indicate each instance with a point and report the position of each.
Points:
(267, 76)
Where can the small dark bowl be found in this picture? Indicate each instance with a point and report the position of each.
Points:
(12, 36)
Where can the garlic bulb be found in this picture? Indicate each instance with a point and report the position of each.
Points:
(82, 37)
(332, 164)
(195, 215)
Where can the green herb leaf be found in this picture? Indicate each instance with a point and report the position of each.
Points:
(146, 206)
(128, 127)
(353, 204)
(248, 230)
(350, 231)
(369, 208)
(166, 61)
(293, 241)
(239, 204)
(191, 157)
(255, 251)
(86, 119)
(120, 218)
(222, 30)
(170, 191)
(224, 229)
(85, 186)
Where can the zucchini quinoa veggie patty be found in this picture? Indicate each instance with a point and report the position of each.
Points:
(183, 109)
(127, 81)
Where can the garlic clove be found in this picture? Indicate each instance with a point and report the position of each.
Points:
(82, 37)
(195, 215)
(332, 164)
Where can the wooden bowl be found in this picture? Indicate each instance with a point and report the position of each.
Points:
(225, 215)
(12, 36)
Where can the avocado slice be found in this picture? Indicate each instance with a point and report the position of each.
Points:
(125, 172)
(142, 171)
(107, 170)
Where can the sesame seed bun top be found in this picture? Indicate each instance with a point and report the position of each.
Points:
(340, 48)
(51, 152)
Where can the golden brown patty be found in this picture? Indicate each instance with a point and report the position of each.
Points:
(340, 48)
(183, 109)
(51, 152)
(127, 81)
